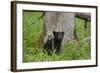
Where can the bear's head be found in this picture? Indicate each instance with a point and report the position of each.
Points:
(58, 35)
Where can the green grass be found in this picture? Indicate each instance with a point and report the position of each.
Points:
(33, 35)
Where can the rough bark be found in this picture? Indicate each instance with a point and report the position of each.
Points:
(60, 22)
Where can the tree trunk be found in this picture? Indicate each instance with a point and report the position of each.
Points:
(59, 22)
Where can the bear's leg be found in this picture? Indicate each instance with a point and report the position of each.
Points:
(58, 48)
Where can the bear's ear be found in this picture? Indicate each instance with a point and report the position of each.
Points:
(53, 32)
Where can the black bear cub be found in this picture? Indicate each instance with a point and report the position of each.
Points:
(54, 44)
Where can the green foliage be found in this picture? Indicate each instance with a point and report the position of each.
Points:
(81, 31)
(71, 51)
(33, 35)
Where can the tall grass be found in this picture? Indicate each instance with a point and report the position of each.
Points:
(33, 35)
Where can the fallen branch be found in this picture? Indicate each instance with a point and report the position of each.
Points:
(85, 16)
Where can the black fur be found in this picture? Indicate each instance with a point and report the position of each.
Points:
(58, 36)
(54, 43)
